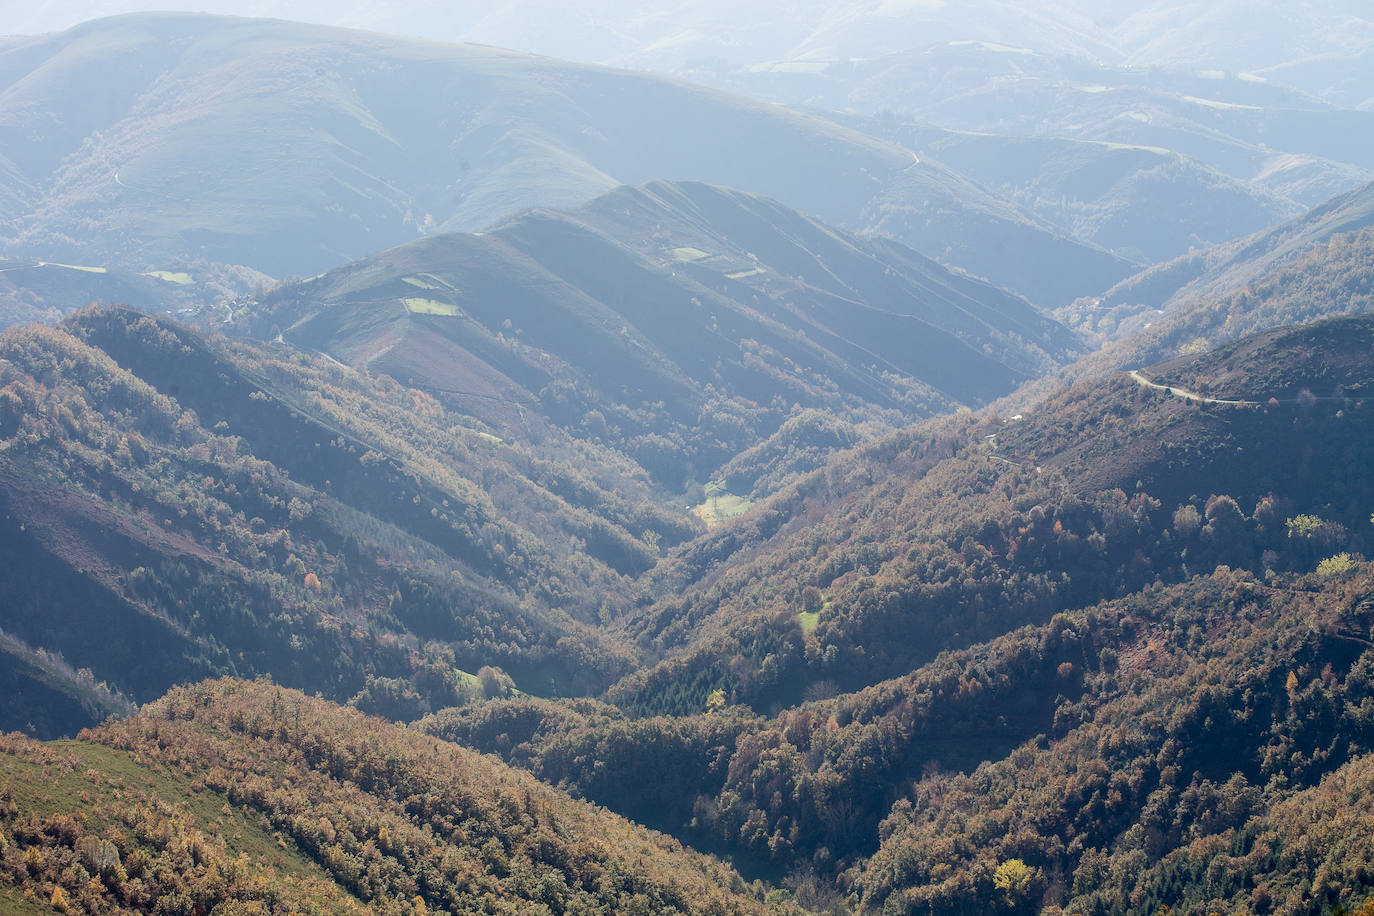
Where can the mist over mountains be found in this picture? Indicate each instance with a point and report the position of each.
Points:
(375, 141)
(1316, 47)
(1169, 159)
(880, 458)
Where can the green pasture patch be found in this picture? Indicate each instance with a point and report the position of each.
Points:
(12, 901)
(743, 274)
(1223, 106)
(427, 281)
(89, 270)
(808, 621)
(432, 307)
(721, 507)
(180, 278)
(1159, 150)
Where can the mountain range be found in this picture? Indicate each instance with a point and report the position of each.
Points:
(376, 140)
(558, 438)
(442, 479)
(1319, 47)
(292, 149)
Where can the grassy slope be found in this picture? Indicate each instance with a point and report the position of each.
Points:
(37, 787)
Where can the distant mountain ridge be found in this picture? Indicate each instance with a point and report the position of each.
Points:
(1306, 45)
(680, 321)
(1143, 202)
(1229, 267)
(142, 140)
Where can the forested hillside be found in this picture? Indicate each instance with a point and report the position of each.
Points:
(239, 797)
(932, 539)
(176, 507)
(950, 666)
(1035, 755)
(1201, 746)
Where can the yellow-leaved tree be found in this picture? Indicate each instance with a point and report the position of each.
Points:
(1012, 878)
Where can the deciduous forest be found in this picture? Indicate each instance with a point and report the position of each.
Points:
(890, 459)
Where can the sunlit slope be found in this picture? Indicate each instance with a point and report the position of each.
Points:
(245, 797)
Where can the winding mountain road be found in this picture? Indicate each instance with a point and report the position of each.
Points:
(1184, 393)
